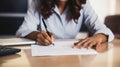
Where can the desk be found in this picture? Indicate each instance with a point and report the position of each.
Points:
(105, 58)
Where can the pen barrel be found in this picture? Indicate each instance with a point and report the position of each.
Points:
(50, 36)
(48, 33)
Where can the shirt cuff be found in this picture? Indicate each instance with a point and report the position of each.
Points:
(107, 33)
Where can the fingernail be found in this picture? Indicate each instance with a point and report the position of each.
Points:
(73, 47)
(88, 47)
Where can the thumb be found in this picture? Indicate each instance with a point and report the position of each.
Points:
(52, 36)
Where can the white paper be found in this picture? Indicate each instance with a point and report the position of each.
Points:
(60, 48)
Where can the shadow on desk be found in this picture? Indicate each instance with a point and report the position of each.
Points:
(4, 59)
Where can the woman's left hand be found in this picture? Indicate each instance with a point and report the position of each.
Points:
(89, 42)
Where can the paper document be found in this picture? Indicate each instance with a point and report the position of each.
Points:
(60, 48)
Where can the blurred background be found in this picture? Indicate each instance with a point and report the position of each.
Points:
(12, 14)
(109, 13)
(106, 7)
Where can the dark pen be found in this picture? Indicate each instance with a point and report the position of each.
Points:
(46, 29)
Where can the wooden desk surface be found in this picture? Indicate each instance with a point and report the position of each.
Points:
(109, 56)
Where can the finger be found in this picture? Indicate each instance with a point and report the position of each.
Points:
(52, 36)
(86, 44)
(91, 44)
(42, 40)
(75, 44)
(79, 44)
(39, 39)
(78, 41)
(46, 36)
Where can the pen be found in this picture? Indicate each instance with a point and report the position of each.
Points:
(46, 29)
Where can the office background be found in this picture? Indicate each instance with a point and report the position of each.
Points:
(12, 12)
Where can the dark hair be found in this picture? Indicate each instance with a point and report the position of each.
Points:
(45, 7)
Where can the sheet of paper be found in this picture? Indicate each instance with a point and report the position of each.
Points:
(60, 48)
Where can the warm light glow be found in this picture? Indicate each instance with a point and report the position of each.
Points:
(101, 7)
(112, 6)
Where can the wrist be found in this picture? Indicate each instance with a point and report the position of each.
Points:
(102, 37)
(33, 35)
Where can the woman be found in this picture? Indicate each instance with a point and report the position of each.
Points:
(63, 19)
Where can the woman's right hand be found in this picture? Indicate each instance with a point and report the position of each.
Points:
(44, 39)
